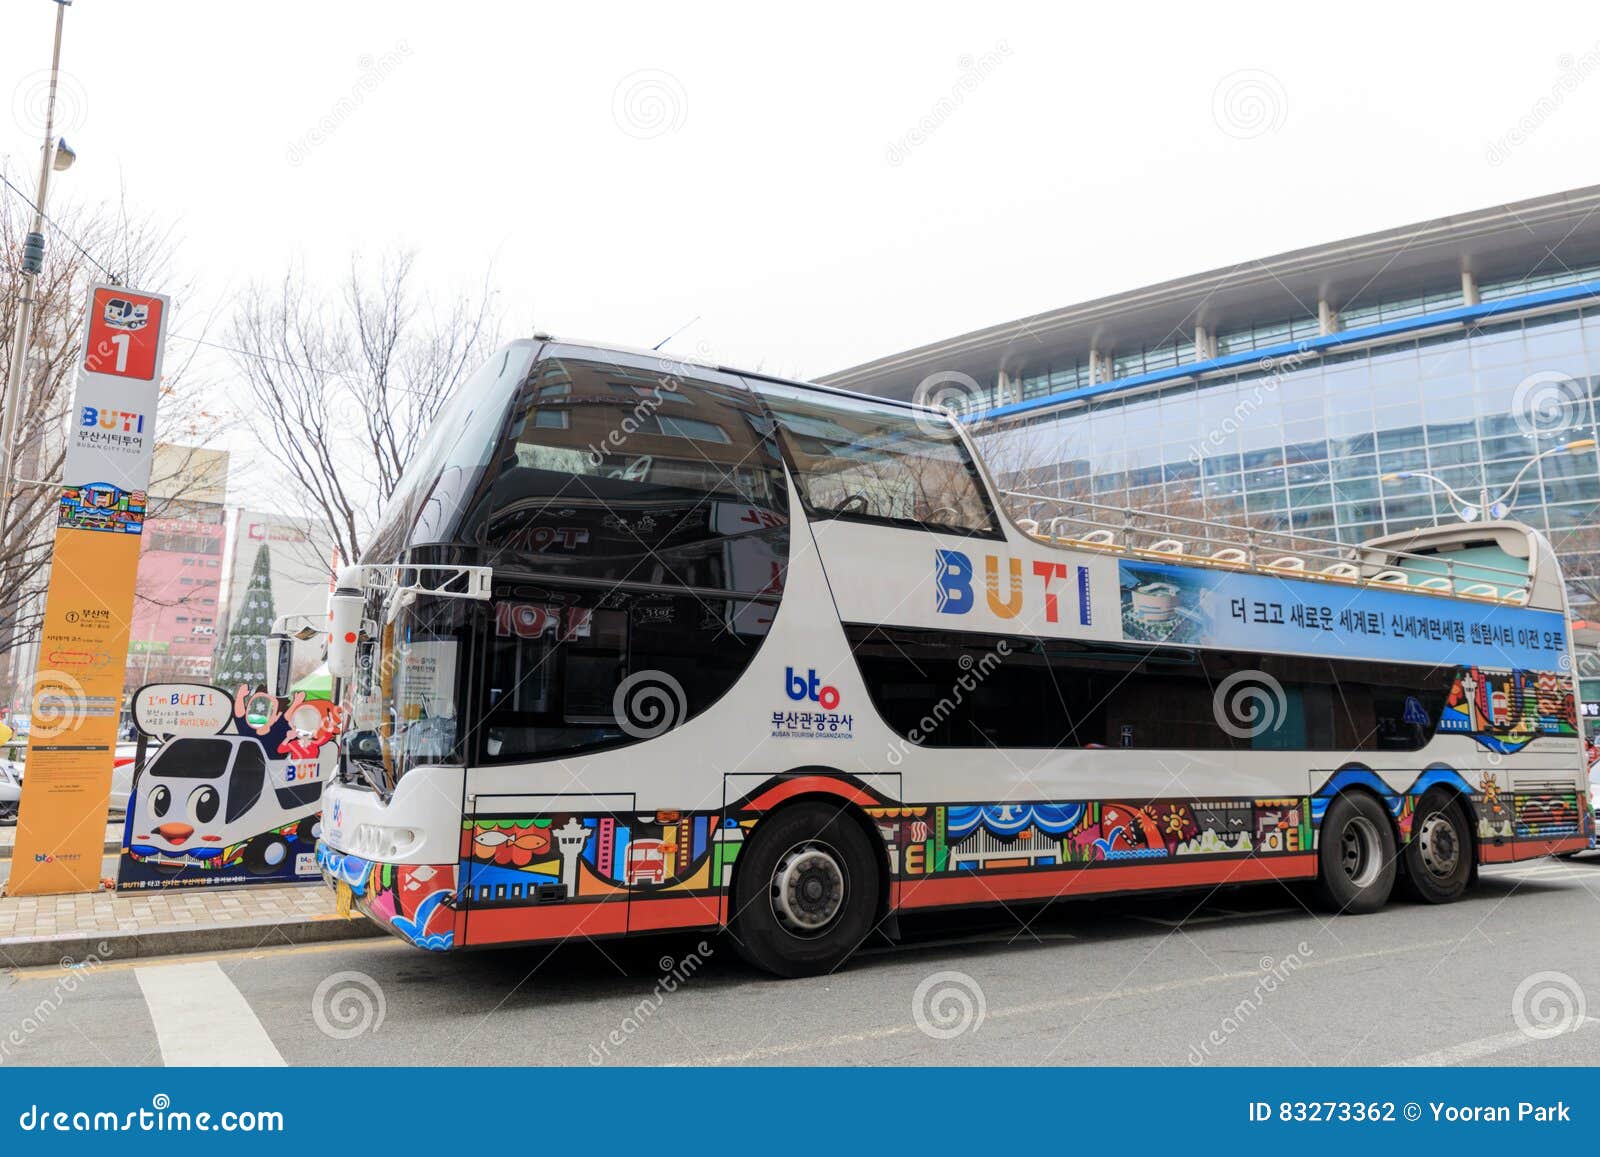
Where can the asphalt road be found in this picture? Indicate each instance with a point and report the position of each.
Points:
(1249, 976)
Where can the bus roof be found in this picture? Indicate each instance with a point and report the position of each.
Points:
(754, 376)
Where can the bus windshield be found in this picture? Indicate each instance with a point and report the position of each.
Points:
(857, 459)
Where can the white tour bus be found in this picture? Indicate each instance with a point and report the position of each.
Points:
(648, 645)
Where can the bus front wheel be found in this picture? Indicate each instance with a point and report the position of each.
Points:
(805, 892)
(1439, 853)
(1355, 855)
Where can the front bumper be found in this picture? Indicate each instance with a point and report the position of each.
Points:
(416, 902)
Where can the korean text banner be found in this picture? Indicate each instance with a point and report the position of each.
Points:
(1162, 603)
(83, 646)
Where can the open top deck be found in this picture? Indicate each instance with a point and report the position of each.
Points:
(1500, 563)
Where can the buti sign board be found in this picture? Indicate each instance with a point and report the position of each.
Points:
(83, 646)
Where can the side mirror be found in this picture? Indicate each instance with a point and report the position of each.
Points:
(345, 607)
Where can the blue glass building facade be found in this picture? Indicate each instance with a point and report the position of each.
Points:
(1466, 358)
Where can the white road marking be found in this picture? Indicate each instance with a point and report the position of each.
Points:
(1487, 1046)
(201, 1019)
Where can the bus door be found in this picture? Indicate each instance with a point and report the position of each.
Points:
(545, 867)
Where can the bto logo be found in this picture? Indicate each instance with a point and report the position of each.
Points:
(808, 686)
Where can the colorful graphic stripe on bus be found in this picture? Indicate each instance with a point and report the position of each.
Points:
(551, 876)
(1506, 710)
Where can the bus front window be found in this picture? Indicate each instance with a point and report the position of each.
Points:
(404, 700)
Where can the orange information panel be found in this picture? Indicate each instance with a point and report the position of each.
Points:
(61, 828)
(83, 645)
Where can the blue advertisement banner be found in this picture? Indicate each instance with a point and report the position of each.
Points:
(1301, 1111)
(1162, 603)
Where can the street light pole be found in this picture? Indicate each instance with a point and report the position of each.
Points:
(32, 261)
(1486, 505)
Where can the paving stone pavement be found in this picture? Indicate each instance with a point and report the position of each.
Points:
(47, 929)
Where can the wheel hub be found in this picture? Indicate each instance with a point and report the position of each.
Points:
(1440, 846)
(1359, 851)
(808, 889)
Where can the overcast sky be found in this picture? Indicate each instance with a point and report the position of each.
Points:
(821, 184)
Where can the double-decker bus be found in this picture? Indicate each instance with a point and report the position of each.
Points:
(646, 645)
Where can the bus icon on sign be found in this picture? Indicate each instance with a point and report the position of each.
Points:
(123, 314)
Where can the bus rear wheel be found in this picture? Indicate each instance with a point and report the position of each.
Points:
(1355, 855)
(805, 891)
(1439, 854)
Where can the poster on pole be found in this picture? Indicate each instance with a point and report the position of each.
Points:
(83, 644)
(231, 790)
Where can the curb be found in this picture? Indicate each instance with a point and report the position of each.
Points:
(36, 951)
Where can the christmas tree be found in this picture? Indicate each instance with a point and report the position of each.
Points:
(244, 652)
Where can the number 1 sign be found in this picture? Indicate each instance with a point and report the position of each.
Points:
(124, 333)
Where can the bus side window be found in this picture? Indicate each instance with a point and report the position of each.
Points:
(249, 777)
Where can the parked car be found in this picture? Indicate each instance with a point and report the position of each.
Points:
(10, 790)
(122, 767)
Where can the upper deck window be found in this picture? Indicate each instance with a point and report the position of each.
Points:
(879, 463)
(631, 471)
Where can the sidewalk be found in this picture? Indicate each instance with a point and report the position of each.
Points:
(8, 837)
(40, 930)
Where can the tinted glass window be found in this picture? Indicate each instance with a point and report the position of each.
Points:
(635, 473)
(858, 459)
(426, 504)
(947, 690)
(572, 670)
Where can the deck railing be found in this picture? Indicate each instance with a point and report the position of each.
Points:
(1087, 525)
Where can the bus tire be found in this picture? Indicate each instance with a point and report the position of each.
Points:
(309, 830)
(1439, 854)
(805, 891)
(1355, 855)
